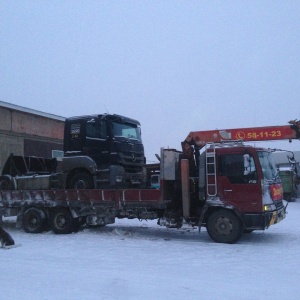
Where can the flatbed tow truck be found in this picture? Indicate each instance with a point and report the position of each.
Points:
(216, 182)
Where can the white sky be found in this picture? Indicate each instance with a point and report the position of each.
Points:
(176, 66)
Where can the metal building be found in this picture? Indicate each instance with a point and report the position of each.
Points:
(28, 132)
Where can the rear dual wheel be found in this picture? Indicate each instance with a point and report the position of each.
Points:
(224, 226)
(34, 220)
(62, 221)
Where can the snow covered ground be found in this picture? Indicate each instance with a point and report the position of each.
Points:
(140, 260)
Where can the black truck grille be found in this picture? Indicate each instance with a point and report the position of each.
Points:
(131, 157)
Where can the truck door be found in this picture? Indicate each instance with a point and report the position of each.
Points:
(239, 187)
(96, 142)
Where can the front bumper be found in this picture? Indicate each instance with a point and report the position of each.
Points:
(264, 220)
(275, 216)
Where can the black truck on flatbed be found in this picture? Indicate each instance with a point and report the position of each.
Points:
(102, 151)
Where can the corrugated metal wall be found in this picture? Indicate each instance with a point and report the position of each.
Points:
(29, 134)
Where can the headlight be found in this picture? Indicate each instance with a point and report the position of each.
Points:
(269, 207)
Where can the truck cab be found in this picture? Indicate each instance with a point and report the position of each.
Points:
(243, 189)
(247, 179)
(102, 151)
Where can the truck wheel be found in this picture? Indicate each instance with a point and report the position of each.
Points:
(62, 221)
(224, 226)
(6, 183)
(81, 181)
(34, 220)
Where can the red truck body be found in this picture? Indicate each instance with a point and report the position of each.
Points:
(64, 210)
(229, 188)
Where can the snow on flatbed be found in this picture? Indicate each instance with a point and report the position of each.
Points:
(141, 260)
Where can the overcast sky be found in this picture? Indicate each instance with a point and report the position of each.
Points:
(176, 66)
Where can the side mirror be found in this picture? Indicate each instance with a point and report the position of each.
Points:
(246, 164)
(291, 159)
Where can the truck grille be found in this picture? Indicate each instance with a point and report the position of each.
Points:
(131, 157)
(132, 162)
(130, 147)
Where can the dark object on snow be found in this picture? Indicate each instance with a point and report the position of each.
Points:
(5, 238)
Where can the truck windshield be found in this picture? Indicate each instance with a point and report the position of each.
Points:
(267, 164)
(127, 130)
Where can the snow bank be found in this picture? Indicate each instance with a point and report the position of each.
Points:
(140, 260)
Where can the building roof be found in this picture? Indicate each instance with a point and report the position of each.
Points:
(31, 111)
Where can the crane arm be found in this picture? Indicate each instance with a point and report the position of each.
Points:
(200, 138)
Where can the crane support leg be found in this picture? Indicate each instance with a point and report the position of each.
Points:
(185, 180)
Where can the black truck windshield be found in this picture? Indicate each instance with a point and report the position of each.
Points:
(267, 165)
(127, 130)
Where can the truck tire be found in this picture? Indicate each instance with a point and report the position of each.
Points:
(81, 180)
(6, 183)
(34, 220)
(62, 221)
(224, 226)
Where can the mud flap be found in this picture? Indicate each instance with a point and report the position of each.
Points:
(204, 209)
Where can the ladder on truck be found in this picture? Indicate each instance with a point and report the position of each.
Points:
(211, 176)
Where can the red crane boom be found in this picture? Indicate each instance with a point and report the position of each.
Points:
(200, 138)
